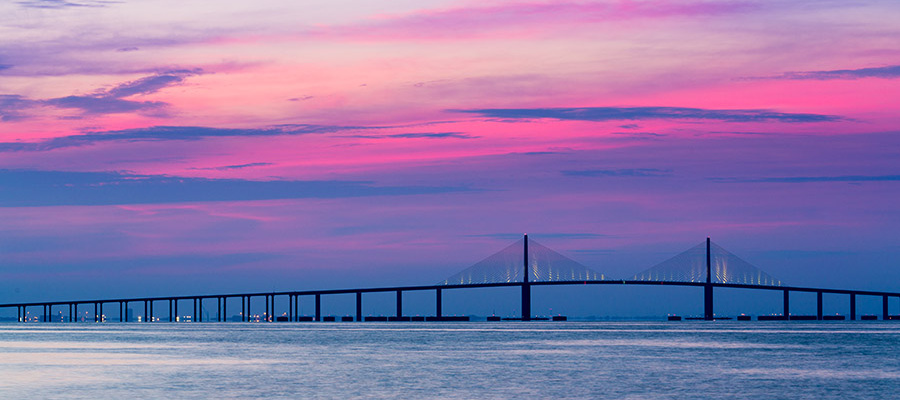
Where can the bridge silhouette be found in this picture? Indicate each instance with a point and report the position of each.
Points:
(523, 264)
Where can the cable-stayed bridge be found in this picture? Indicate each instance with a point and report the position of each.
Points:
(523, 264)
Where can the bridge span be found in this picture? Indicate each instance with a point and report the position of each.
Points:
(538, 267)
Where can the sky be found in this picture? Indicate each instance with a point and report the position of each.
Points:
(160, 147)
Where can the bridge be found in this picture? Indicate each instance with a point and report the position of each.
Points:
(524, 264)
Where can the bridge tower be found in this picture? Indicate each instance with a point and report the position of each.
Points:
(526, 287)
(708, 288)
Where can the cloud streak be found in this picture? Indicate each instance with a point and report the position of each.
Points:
(112, 101)
(629, 172)
(161, 133)
(808, 179)
(888, 72)
(647, 113)
(32, 188)
(470, 22)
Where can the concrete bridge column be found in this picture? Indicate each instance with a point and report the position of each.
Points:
(819, 306)
(359, 316)
(787, 304)
(150, 316)
(437, 301)
(318, 307)
(267, 316)
(399, 303)
(291, 307)
(852, 306)
(708, 314)
(170, 310)
(296, 308)
(884, 307)
(146, 311)
(96, 312)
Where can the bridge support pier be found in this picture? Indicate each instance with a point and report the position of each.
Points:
(96, 312)
(146, 312)
(526, 287)
(708, 314)
(787, 304)
(296, 307)
(359, 316)
(318, 307)
(267, 315)
(399, 303)
(852, 306)
(150, 316)
(194, 318)
(884, 307)
(291, 307)
(437, 302)
(819, 306)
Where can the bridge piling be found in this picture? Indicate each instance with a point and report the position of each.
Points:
(266, 315)
(819, 305)
(526, 286)
(296, 308)
(359, 316)
(318, 307)
(146, 312)
(708, 314)
(884, 307)
(399, 303)
(852, 306)
(291, 307)
(437, 301)
(787, 304)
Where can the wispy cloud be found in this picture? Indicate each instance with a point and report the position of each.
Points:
(647, 113)
(113, 101)
(56, 4)
(12, 105)
(418, 135)
(806, 179)
(888, 72)
(629, 172)
(471, 22)
(234, 167)
(159, 133)
(32, 188)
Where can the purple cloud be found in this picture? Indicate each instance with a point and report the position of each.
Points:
(888, 72)
(647, 113)
(112, 101)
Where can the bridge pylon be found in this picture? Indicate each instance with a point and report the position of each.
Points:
(526, 286)
(708, 288)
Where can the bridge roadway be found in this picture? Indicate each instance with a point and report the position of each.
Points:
(294, 297)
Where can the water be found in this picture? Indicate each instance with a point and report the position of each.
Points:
(445, 360)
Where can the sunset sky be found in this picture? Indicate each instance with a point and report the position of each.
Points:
(169, 147)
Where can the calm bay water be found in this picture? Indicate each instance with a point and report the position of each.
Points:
(449, 360)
